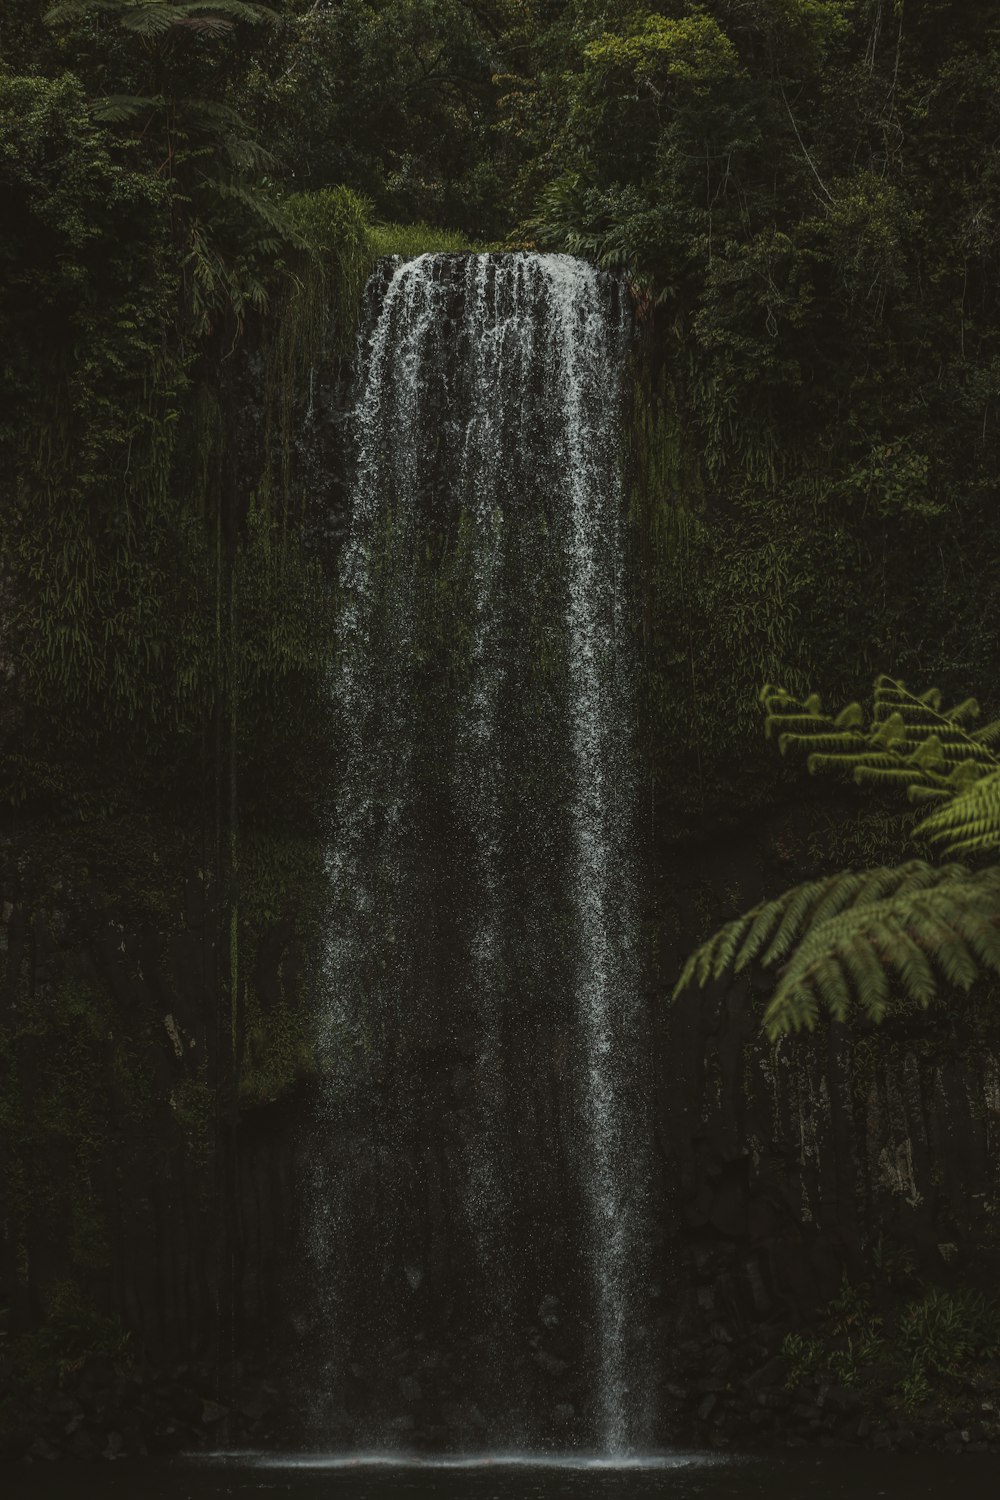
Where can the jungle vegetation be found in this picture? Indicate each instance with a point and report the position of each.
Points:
(804, 196)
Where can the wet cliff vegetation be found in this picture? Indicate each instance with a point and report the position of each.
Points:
(804, 200)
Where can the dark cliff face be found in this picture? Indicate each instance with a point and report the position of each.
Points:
(775, 1169)
(778, 1169)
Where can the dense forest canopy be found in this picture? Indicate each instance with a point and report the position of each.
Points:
(802, 193)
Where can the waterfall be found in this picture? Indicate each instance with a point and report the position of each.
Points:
(480, 1043)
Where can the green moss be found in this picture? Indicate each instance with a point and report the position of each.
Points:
(192, 1103)
(279, 1051)
(410, 240)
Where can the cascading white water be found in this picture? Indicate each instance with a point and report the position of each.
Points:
(483, 852)
(602, 876)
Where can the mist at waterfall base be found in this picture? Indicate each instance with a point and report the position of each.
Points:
(478, 1197)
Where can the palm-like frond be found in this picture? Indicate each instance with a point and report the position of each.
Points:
(968, 823)
(770, 930)
(909, 741)
(115, 109)
(154, 18)
(857, 937)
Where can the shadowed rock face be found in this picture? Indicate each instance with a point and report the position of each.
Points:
(773, 1170)
(774, 1174)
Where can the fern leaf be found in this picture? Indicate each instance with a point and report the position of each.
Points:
(722, 958)
(928, 756)
(890, 730)
(905, 955)
(830, 740)
(870, 978)
(958, 966)
(783, 921)
(154, 18)
(210, 25)
(799, 904)
(836, 989)
(116, 108)
(151, 20)
(968, 823)
(924, 924)
(912, 740)
(766, 919)
(967, 709)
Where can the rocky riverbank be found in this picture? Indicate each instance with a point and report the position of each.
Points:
(107, 1411)
(752, 1395)
(715, 1393)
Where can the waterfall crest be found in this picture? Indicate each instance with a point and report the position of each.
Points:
(480, 1042)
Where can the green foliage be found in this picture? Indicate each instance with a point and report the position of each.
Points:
(969, 822)
(856, 939)
(804, 1355)
(801, 195)
(152, 19)
(920, 1346)
(911, 743)
(861, 938)
(186, 129)
(396, 100)
(946, 1330)
(852, 1337)
(411, 240)
(667, 54)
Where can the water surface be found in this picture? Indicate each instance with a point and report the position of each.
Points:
(830, 1476)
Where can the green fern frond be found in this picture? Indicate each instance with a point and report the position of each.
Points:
(917, 938)
(782, 922)
(868, 976)
(835, 742)
(963, 712)
(910, 739)
(862, 761)
(969, 822)
(154, 18)
(800, 907)
(114, 109)
(855, 933)
(856, 939)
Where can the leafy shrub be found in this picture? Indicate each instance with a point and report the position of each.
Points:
(945, 1330)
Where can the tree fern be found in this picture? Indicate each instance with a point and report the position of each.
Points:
(154, 18)
(909, 742)
(859, 938)
(115, 109)
(855, 938)
(969, 823)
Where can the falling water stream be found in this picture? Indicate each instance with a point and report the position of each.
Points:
(483, 853)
